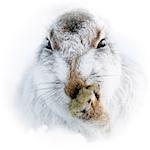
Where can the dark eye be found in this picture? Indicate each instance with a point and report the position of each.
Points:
(48, 45)
(102, 43)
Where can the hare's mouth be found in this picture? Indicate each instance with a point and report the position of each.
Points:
(88, 106)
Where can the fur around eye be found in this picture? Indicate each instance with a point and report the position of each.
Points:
(102, 43)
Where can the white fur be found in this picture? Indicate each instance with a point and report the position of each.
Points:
(42, 98)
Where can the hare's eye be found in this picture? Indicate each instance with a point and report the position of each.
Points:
(102, 43)
(48, 45)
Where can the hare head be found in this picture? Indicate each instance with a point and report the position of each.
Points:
(79, 54)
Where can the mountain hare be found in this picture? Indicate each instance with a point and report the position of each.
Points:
(79, 80)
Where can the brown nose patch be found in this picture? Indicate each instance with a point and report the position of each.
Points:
(74, 84)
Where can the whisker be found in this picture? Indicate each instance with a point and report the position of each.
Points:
(46, 94)
(103, 75)
(99, 81)
(52, 82)
(56, 87)
(58, 98)
(42, 89)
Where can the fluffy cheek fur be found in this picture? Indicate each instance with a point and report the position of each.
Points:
(103, 69)
(43, 95)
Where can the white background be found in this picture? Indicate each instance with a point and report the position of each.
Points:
(23, 24)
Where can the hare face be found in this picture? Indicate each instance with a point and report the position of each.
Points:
(79, 54)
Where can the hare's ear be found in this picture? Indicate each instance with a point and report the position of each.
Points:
(48, 44)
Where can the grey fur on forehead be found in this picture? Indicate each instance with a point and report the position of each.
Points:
(74, 21)
(74, 27)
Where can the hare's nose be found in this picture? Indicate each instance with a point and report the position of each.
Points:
(73, 85)
(72, 91)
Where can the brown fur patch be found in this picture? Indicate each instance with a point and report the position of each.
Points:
(96, 39)
(78, 90)
(75, 83)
